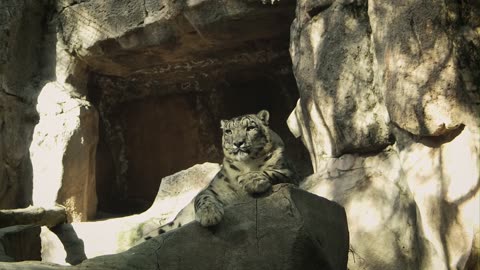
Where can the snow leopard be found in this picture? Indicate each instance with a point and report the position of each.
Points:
(254, 160)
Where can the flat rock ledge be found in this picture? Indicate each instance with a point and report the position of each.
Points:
(286, 229)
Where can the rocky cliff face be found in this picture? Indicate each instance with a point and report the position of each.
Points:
(99, 100)
(22, 74)
(127, 92)
(163, 75)
(389, 110)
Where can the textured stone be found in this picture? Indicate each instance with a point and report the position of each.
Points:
(120, 234)
(443, 175)
(412, 71)
(20, 64)
(22, 34)
(340, 110)
(288, 229)
(426, 57)
(412, 206)
(280, 231)
(63, 153)
(106, 33)
(379, 206)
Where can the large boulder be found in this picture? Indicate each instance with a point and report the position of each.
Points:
(288, 229)
(426, 62)
(409, 207)
(389, 111)
(380, 208)
(340, 109)
(63, 153)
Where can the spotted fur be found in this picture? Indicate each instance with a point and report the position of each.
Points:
(254, 160)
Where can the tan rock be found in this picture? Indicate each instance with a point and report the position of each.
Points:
(340, 109)
(63, 153)
(371, 73)
(119, 234)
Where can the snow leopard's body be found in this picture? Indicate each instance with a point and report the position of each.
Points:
(254, 160)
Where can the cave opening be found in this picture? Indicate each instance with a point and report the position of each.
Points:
(145, 138)
(160, 103)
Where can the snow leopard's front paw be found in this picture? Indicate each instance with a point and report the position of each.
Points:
(209, 214)
(255, 182)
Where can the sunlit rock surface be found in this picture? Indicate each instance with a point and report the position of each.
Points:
(340, 108)
(379, 206)
(389, 110)
(63, 153)
(83, 240)
(426, 57)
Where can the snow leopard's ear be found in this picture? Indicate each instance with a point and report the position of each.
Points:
(222, 124)
(264, 116)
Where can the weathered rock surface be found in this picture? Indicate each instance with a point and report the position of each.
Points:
(175, 69)
(72, 243)
(426, 62)
(289, 229)
(106, 34)
(63, 153)
(379, 206)
(411, 206)
(340, 109)
(376, 73)
(20, 34)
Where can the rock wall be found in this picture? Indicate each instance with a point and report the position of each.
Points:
(277, 231)
(21, 32)
(162, 76)
(389, 111)
(91, 94)
(40, 83)
(23, 55)
(80, 79)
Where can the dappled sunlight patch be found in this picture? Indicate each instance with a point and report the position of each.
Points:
(119, 234)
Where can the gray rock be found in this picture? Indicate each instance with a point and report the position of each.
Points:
(411, 206)
(379, 206)
(63, 151)
(289, 229)
(426, 56)
(20, 66)
(72, 243)
(107, 33)
(377, 73)
(340, 109)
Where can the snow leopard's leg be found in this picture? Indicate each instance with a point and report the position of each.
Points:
(208, 207)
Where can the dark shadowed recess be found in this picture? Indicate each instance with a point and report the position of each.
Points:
(163, 134)
(165, 116)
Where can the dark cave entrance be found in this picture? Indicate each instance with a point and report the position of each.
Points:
(160, 134)
(160, 106)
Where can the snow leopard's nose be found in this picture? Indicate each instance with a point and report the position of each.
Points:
(239, 144)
